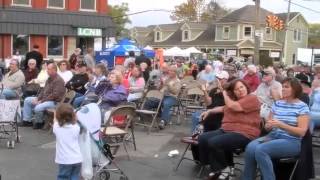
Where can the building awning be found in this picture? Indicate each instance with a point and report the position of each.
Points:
(52, 22)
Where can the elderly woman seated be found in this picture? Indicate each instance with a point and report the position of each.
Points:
(240, 124)
(171, 87)
(288, 122)
(111, 92)
(31, 72)
(137, 83)
(12, 81)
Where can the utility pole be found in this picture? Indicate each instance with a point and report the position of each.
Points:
(284, 47)
(257, 34)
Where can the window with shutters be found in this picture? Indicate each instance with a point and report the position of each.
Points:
(56, 4)
(88, 5)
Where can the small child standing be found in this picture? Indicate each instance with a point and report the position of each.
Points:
(67, 131)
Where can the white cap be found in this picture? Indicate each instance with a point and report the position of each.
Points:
(223, 75)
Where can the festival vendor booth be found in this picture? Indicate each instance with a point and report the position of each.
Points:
(149, 52)
(117, 53)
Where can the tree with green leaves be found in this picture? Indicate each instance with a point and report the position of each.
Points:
(314, 35)
(199, 11)
(119, 16)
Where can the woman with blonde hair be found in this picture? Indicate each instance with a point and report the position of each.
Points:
(111, 91)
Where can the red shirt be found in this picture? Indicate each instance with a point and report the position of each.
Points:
(246, 122)
(252, 80)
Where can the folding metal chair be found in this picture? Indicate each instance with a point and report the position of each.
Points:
(116, 134)
(152, 95)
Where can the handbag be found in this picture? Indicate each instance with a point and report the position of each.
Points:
(31, 89)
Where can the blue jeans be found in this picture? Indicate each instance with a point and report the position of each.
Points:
(77, 101)
(195, 119)
(314, 120)
(9, 94)
(167, 103)
(261, 151)
(69, 172)
(28, 107)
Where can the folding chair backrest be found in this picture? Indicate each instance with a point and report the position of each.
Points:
(192, 84)
(68, 97)
(195, 91)
(128, 112)
(154, 94)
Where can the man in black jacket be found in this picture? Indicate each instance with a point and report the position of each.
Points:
(143, 59)
(79, 80)
(34, 54)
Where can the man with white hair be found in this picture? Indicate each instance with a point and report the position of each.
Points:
(12, 81)
(268, 91)
(252, 78)
(207, 74)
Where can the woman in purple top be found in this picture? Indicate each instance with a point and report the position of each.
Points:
(111, 92)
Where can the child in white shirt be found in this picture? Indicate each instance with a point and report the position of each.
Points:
(67, 131)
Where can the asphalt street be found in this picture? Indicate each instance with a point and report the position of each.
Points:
(33, 158)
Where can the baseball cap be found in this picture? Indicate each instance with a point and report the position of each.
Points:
(223, 75)
(269, 71)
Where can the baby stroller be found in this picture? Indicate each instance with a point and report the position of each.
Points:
(89, 118)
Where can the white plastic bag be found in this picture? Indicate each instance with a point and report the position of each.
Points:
(85, 148)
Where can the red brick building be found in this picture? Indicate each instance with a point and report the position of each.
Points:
(57, 26)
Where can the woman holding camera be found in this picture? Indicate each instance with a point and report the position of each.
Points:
(240, 124)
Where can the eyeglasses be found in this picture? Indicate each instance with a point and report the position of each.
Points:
(31, 63)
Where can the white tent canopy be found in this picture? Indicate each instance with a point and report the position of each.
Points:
(148, 48)
(191, 50)
(175, 51)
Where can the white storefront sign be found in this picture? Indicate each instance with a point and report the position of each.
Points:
(89, 32)
(274, 54)
(231, 52)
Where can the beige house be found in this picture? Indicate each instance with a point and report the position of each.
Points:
(233, 35)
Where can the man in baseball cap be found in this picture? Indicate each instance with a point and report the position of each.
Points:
(268, 91)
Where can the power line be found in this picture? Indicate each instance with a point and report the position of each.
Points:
(299, 5)
(145, 11)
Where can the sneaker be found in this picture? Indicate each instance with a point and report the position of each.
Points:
(162, 124)
(225, 173)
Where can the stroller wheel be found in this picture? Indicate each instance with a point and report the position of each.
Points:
(124, 177)
(103, 175)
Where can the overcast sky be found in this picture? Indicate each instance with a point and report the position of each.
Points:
(149, 18)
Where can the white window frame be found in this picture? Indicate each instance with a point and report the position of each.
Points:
(189, 35)
(54, 7)
(298, 35)
(244, 32)
(223, 32)
(269, 36)
(90, 10)
(52, 56)
(11, 49)
(23, 5)
(160, 36)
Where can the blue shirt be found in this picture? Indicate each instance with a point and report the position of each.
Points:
(287, 113)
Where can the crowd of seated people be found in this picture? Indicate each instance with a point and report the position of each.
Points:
(235, 108)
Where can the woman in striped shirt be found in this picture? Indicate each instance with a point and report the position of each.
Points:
(288, 122)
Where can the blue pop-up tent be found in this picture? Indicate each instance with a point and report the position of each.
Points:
(149, 52)
(117, 53)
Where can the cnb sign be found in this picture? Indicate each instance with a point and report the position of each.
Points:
(89, 32)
